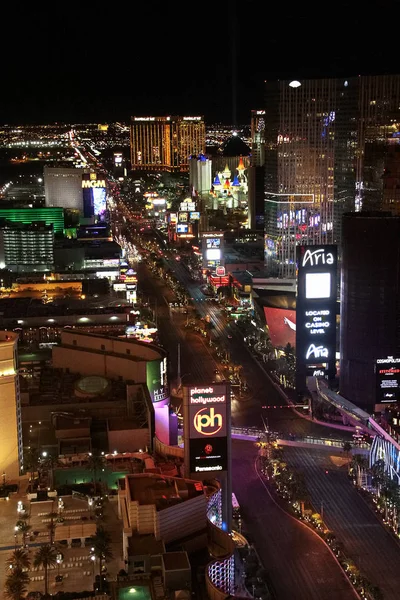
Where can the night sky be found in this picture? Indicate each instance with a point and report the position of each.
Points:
(176, 58)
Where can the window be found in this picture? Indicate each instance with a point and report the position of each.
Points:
(74, 342)
(128, 351)
(103, 347)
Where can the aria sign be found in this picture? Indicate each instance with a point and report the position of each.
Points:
(316, 309)
(318, 257)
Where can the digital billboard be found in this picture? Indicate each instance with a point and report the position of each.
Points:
(213, 243)
(213, 254)
(182, 228)
(194, 216)
(99, 200)
(281, 326)
(183, 217)
(207, 427)
(316, 310)
(156, 380)
(388, 379)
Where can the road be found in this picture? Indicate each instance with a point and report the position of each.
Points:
(196, 359)
(299, 564)
(373, 549)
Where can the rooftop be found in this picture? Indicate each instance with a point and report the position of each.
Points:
(163, 492)
(55, 386)
(145, 544)
(175, 561)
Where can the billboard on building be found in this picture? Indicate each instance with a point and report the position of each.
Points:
(212, 249)
(207, 428)
(388, 380)
(316, 310)
(281, 324)
(156, 380)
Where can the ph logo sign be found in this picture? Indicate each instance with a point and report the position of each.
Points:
(207, 422)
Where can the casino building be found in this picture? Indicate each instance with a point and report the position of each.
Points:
(370, 302)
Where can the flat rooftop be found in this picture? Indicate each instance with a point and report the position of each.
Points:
(145, 544)
(55, 386)
(163, 492)
(175, 561)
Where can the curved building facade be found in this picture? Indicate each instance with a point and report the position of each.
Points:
(10, 409)
(370, 301)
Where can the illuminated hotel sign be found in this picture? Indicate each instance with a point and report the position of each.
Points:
(192, 118)
(93, 183)
(316, 311)
(388, 379)
(208, 427)
(144, 118)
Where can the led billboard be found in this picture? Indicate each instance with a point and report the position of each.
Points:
(207, 427)
(99, 200)
(316, 310)
(194, 216)
(182, 228)
(281, 324)
(183, 217)
(213, 243)
(156, 380)
(388, 380)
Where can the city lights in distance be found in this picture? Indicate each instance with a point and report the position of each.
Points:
(295, 84)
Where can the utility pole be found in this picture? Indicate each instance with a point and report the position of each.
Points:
(179, 380)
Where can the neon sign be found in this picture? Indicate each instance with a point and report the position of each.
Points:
(317, 351)
(206, 420)
(317, 258)
(94, 183)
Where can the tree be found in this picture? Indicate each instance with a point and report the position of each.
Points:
(19, 559)
(359, 464)
(24, 529)
(378, 475)
(15, 586)
(45, 557)
(96, 462)
(346, 448)
(31, 461)
(101, 543)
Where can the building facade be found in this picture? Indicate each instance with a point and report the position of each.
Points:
(63, 187)
(165, 143)
(370, 309)
(27, 248)
(10, 409)
(200, 175)
(49, 216)
(327, 143)
(257, 138)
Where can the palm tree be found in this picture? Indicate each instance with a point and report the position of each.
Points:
(378, 475)
(359, 463)
(346, 448)
(96, 463)
(101, 543)
(23, 528)
(31, 461)
(49, 464)
(45, 557)
(15, 586)
(19, 559)
(52, 526)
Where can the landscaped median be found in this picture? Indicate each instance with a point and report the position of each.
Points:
(287, 488)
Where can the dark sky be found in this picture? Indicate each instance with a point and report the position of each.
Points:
(176, 58)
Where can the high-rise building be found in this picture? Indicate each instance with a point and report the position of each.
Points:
(165, 143)
(10, 408)
(370, 301)
(200, 175)
(26, 248)
(327, 142)
(63, 187)
(257, 138)
(50, 216)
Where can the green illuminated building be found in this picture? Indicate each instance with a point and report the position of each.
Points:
(51, 216)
